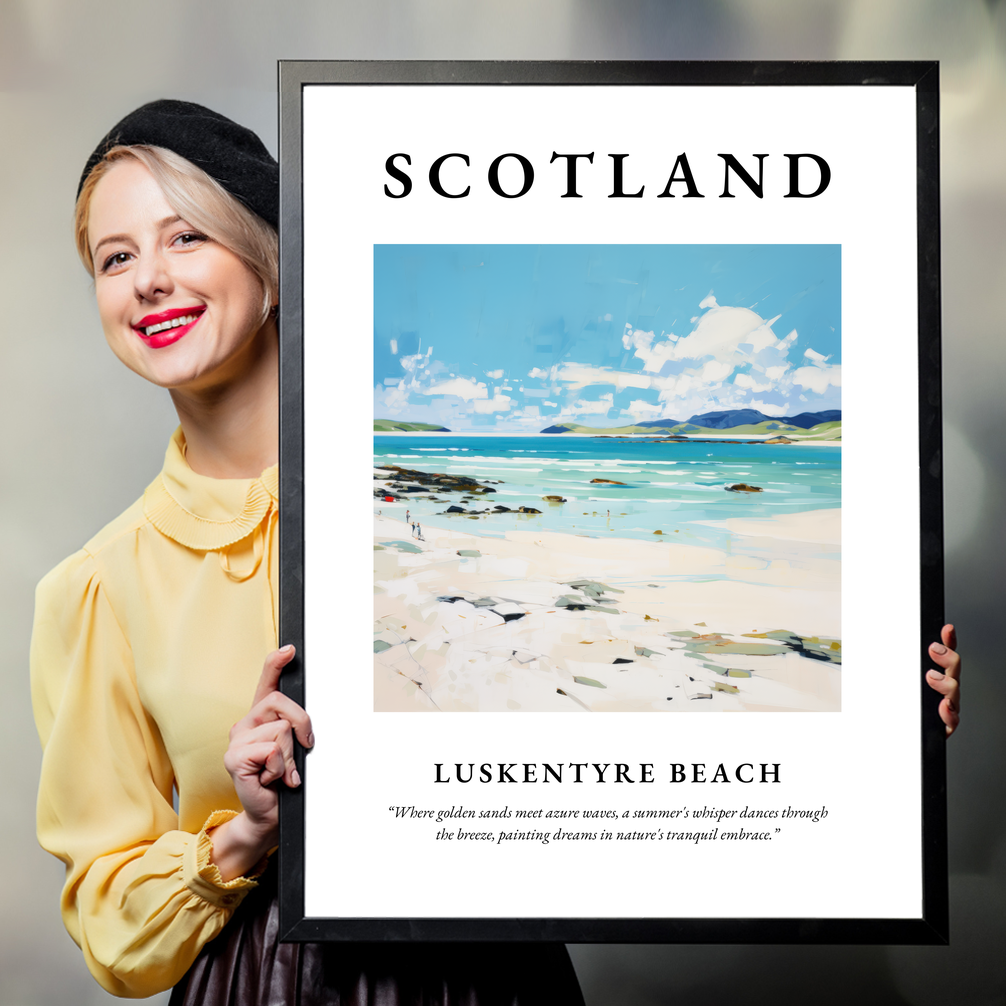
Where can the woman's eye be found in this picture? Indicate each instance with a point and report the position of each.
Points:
(114, 261)
(190, 238)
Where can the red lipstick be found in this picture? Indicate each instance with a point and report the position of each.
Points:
(166, 327)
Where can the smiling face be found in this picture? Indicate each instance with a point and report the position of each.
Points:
(177, 307)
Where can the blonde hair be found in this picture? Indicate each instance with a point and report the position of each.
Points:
(199, 200)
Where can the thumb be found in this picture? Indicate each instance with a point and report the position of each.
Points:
(271, 671)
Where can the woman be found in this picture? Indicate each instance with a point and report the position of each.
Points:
(148, 643)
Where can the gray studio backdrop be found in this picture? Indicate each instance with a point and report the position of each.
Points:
(82, 437)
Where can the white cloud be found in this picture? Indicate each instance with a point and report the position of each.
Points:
(714, 371)
(728, 334)
(584, 408)
(675, 386)
(693, 371)
(729, 356)
(498, 403)
(463, 387)
(393, 400)
(695, 381)
(413, 363)
(529, 422)
(769, 408)
(721, 331)
(750, 384)
(580, 375)
(653, 357)
(818, 379)
(639, 409)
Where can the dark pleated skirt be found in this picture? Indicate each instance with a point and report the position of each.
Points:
(246, 965)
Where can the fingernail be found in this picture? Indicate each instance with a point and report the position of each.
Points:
(938, 648)
(936, 675)
(295, 777)
(310, 740)
(287, 649)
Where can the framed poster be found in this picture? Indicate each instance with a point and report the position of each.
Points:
(624, 353)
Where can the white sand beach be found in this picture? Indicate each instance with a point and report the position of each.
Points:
(548, 621)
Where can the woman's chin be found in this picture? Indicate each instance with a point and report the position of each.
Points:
(197, 365)
(173, 374)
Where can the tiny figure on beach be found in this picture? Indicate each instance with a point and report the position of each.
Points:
(407, 521)
(418, 531)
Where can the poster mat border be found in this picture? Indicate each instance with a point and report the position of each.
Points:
(933, 925)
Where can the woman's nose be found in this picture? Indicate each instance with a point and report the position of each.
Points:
(152, 277)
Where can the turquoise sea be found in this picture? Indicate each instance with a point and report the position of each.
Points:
(669, 487)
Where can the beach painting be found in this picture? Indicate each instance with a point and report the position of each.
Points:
(607, 478)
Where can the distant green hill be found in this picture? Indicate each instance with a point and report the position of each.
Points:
(822, 431)
(393, 426)
(657, 431)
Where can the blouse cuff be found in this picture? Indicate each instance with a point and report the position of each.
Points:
(202, 876)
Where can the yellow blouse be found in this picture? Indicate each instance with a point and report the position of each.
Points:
(147, 647)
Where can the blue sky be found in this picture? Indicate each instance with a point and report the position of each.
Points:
(514, 338)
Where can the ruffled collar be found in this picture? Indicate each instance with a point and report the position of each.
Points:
(203, 513)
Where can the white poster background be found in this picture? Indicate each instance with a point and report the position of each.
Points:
(863, 763)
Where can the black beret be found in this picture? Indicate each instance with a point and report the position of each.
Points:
(230, 154)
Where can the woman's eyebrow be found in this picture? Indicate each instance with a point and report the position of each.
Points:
(109, 240)
(160, 225)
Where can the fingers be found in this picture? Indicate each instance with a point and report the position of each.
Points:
(279, 764)
(949, 636)
(946, 681)
(261, 749)
(277, 706)
(950, 716)
(944, 653)
(265, 751)
(270, 703)
(262, 761)
(948, 709)
(271, 671)
(948, 660)
(947, 686)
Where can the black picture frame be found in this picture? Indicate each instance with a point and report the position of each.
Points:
(931, 927)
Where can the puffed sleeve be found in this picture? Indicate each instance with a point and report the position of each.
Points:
(141, 898)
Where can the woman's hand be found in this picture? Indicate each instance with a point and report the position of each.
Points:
(947, 682)
(260, 753)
